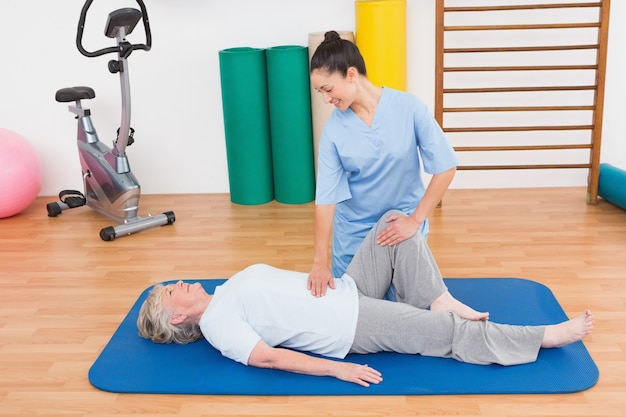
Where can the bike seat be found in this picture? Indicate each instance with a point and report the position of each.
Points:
(65, 95)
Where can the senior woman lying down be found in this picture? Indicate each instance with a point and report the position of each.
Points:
(266, 317)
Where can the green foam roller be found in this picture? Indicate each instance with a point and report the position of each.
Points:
(243, 74)
(612, 185)
(291, 127)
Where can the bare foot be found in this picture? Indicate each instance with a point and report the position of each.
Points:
(570, 331)
(446, 302)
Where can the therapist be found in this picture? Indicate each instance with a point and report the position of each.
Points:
(370, 156)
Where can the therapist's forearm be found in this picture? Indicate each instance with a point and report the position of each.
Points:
(323, 227)
(435, 191)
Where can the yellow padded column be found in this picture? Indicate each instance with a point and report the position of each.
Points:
(381, 38)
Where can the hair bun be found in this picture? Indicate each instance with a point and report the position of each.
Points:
(331, 35)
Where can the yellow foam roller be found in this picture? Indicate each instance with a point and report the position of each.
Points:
(381, 38)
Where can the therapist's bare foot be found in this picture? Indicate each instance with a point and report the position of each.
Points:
(570, 331)
(446, 302)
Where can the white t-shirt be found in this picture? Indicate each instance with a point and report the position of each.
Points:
(263, 302)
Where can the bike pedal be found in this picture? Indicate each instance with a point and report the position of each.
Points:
(73, 202)
(72, 198)
(131, 136)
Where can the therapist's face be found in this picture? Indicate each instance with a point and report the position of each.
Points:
(335, 88)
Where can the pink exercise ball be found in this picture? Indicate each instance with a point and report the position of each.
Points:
(20, 173)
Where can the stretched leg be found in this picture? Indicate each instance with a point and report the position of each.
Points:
(398, 327)
(386, 326)
(410, 267)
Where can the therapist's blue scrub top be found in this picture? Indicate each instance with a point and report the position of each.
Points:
(368, 170)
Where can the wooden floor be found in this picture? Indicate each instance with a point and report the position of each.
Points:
(63, 292)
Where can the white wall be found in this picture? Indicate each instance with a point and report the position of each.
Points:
(177, 108)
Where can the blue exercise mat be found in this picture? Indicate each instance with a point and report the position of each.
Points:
(131, 364)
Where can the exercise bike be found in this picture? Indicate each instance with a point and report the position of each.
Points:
(109, 185)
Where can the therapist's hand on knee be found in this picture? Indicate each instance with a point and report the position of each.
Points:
(401, 228)
(319, 280)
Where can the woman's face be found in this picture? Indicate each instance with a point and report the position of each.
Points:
(335, 88)
(182, 297)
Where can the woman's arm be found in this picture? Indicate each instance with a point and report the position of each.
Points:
(264, 356)
(403, 227)
(320, 276)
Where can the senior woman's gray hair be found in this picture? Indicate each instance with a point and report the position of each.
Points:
(154, 322)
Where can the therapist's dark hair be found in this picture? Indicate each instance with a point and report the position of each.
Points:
(335, 54)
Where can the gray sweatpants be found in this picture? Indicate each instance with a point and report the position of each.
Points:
(407, 326)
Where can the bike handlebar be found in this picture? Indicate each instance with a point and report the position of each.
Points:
(112, 49)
